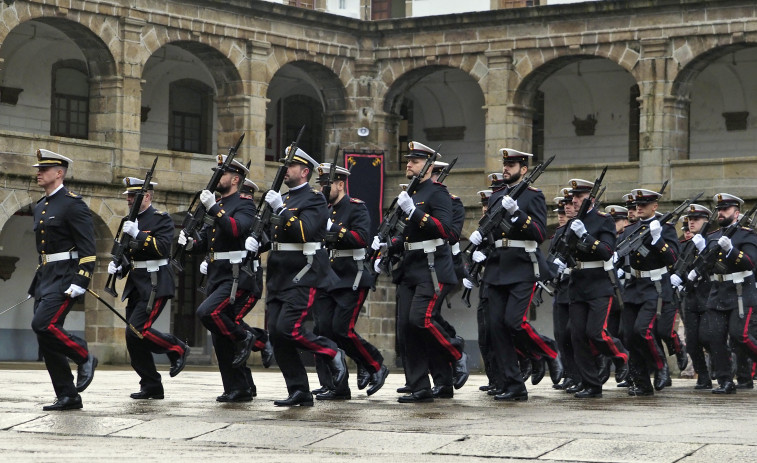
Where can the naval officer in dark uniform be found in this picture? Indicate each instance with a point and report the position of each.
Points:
(149, 286)
(298, 267)
(65, 238)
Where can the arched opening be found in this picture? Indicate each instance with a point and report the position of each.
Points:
(439, 106)
(585, 111)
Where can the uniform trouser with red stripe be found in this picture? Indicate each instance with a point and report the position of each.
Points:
(588, 332)
(694, 327)
(715, 336)
(153, 341)
(424, 336)
(561, 324)
(509, 328)
(286, 311)
(743, 330)
(237, 379)
(56, 344)
(638, 324)
(336, 313)
(244, 306)
(217, 313)
(441, 369)
(666, 328)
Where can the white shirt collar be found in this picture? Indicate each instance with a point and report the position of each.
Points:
(56, 190)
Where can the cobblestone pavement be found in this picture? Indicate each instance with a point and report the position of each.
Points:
(676, 425)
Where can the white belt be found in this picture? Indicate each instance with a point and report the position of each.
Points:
(603, 264)
(528, 245)
(307, 249)
(58, 256)
(234, 257)
(150, 265)
(428, 246)
(655, 274)
(455, 248)
(356, 254)
(737, 277)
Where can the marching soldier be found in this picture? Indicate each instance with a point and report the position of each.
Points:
(695, 300)
(149, 286)
(65, 238)
(733, 294)
(591, 290)
(337, 307)
(648, 293)
(511, 272)
(424, 276)
(226, 286)
(620, 215)
(297, 269)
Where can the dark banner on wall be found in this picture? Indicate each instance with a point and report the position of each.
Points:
(366, 181)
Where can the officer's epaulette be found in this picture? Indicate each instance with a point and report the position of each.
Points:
(747, 229)
(157, 212)
(357, 201)
(533, 188)
(74, 195)
(455, 197)
(602, 213)
(245, 197)
(494, 190)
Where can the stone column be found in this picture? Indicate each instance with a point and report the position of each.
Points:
(253, 116)
(499, 125)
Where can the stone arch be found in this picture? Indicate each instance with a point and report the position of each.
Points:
(681, 86)
(331, 72)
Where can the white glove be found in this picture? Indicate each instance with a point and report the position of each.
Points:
(725, 244)
(251, 244)
(113, 268)
(476, 238)
(699, 242)
(655, 229)
(692, 276)
(74, 291)
(329, 224)
(478, 256)
(131, 228)
(376, 244)
(467, 283)
(615, 257)
(675, 280)
(377, 265)
(578, 228)
(273, 198)
(510, 205)
(405, 202)
(204, 267)
(182, 239)
(621, 273)
(561, 265)
(207, 198)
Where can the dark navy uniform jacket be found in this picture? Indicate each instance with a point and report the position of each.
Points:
(741, 258)
(431, 219)
(303, 219)
(63, 223)
(233, 217)
(696, 298)
(662, 254)
(153, 242)
(597, 245)
(351, 226)
(458, 220)
(505, 266)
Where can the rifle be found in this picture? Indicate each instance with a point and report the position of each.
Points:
(707, 259)
(113, 309)
(326, 189)
(392, 224)
(122, 241)
(496, 217)
(197, 214)
(686, 260)
(635, 242)
(445, 172)
(565, 247)
(264, 214)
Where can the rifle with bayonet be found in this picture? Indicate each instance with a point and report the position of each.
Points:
(445, 172)
(197, 214)
(635, 241)
(392, 223)
(706, 261)
(264, 214)
(326, 189)
(123, 241)
(495, 217)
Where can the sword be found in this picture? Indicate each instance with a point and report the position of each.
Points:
(112, 309)
(16, 305)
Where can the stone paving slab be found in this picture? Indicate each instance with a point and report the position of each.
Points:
(170, 428)
(502, 446)
(621, 451)
(269, 436)
(8, 420)
(720, 452)
(373, 442)
(76, 425)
